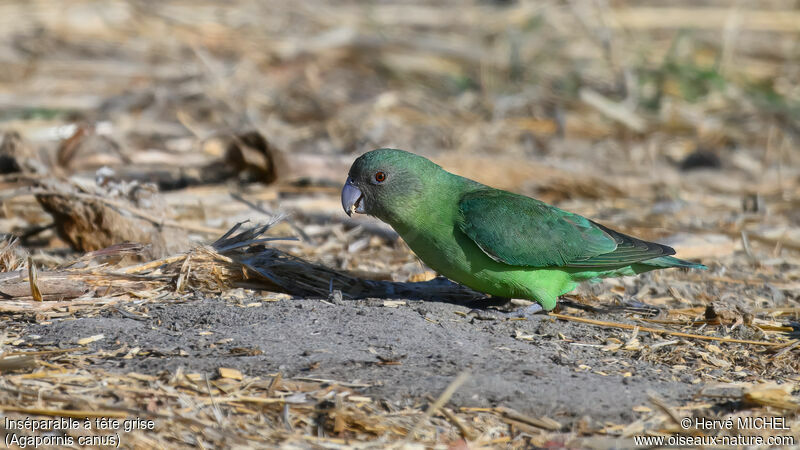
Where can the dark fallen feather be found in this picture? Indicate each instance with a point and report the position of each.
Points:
(275, 270)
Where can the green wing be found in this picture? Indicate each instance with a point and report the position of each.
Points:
(522, 231)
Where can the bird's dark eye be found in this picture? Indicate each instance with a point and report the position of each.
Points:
(380, 177)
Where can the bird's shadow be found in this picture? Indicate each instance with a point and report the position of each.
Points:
(443, 290)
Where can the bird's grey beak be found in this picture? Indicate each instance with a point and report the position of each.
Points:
(352, 198)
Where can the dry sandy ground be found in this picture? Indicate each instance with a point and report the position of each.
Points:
(561, 372)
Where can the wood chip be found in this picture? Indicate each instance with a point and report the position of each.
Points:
(90, 339)
(234, 374)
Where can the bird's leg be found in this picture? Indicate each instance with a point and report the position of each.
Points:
(526, 312)
(525, 308)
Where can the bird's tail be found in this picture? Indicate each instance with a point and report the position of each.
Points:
(669, 261)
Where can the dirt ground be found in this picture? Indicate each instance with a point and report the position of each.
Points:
(560, 373)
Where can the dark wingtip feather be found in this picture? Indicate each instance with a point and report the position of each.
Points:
(690, 265)
(630, 250)
(669, 261)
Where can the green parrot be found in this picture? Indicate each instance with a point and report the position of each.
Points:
(494, 241)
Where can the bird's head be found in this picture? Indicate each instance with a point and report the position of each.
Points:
(386, 183)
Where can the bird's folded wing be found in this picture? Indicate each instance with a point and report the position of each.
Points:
(521, 231)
